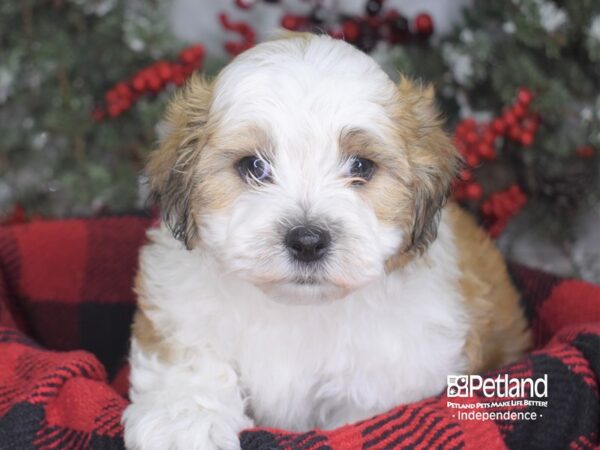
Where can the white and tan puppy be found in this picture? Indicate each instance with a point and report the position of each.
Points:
(306, 273)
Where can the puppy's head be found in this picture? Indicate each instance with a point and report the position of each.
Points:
(304, 168)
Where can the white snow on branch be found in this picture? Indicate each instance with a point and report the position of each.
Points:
(460, 64)
(594, 31)
(6, 81)
(551, 16)
(509, 27)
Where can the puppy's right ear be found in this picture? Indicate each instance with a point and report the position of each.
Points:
(433, 157)
(172, 167)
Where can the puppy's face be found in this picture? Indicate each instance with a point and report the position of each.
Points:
(304, 168)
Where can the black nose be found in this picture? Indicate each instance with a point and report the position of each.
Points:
(307, 243)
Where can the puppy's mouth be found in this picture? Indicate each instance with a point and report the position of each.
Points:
(307, 281)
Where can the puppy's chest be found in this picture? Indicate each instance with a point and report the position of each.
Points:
(339, 366)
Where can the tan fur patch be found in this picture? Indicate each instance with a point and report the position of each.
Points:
(433, 159)
(218, 180)
(499, 332)
(171, 167)
(145, 331)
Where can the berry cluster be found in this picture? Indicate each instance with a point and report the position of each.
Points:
(245, 31)
(366, 31)
(502, 206)
(149, 80)
(363, 31)
(477, 142)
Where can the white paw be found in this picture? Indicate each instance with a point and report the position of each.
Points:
(161, 428)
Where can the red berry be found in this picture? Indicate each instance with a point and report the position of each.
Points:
(486, 151)
(489, 136)
(351, 30)
(519, 111)
(527, 138)
(524, 97)
(472, 160)
(499, 125)
(474, 191)
(139, 82)
(459, 134)
(497, 209)
(465, 175)
(192, 55)
(290, 22)
(197, 51)
(471, 137)
(515, 132)
(154, 82)
(423, 25)
(123, 90)
(509, 118)
(186, 56)
(470, 124)
(164, 71)
(504, 207)
(112, 96)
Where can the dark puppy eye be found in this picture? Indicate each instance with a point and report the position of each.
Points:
(362, 168)
(254, 168)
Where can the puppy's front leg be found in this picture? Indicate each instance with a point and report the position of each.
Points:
(192, 401)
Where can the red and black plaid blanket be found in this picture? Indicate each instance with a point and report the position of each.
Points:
(66, 305)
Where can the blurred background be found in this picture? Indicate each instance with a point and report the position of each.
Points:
(83, 84)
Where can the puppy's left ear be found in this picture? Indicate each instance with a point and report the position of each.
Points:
(434, 160)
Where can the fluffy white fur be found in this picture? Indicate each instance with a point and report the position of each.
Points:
(295, 367)
(253, 345)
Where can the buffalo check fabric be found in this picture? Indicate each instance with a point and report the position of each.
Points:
(66, 305)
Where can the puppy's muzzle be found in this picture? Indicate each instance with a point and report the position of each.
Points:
(307, 243)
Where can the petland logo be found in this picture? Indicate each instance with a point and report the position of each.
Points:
(510, 399)
(502, 386)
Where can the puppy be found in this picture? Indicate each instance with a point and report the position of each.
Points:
(306, 272)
